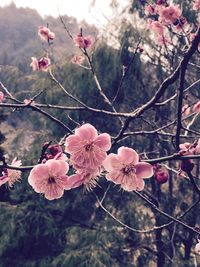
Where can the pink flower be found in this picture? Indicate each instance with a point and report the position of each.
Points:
(85, 177)
(83, 42)
(197, 247)
(87, 148)
(196, 5)
(169, 14)
(196, 107)
(42, 64)
(11, 176)
(186, 110)
(156, 26)
(2, 97)
(187, 148)
(150, 10)
(77, 59)
(50, 178)
(45, 34)
(126, 170)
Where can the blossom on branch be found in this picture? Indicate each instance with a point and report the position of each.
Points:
(11, 176)
(42, 64)
(45, 33)
(83, 42)
(77, 59)
(196, 107)
(126, 170)
(2, 97)
(50, 178)
(87, 148)
(169, 15)
(196, 5)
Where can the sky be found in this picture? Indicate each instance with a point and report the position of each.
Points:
(81, 9)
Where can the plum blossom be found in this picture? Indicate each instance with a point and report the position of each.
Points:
(42, 64)
(156, 26)
(196, 107)
(50, 179)
(186, 110)
(196, 5)
(85, 177)
(87, 148)
(150, 10)
(83, 42)
(77, 59)
(2, 97)
(126, 170)
(169, 14)
(11, 176)
(45, 33)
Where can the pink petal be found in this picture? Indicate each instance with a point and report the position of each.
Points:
(53, 191)
(39, 172)
(128, 155)
(140, 184)
(103, 141)
(57, 168)
(115, 176)
(4, 179)
(75, 180)
(86, 132)
(112, 162)
(72, 144)
(144, 170)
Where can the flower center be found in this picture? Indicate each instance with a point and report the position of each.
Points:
(51, 180)
(89, 147)
(128, 169)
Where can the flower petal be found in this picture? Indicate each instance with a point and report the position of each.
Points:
(39, 172)
(86, 132)
(53, 191)
(144, 170)
(112, 162)
(128, 155)
(103, 141)
(72, 144)
(57, 168)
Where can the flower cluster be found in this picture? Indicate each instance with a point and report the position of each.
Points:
(89, 159)
(164, 15)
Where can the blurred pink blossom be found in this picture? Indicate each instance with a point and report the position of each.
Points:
(45, 33)
(77, 59)
(170, 14)
(50, 178)
(196, 107)
(186, 110)
(126, 170)
(2, 97)
(11, 176)
(83, 42)
(196, 5)
(42, 64)
(87, 148)
(150, 10)
(156, 26)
